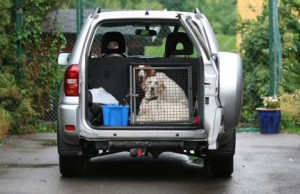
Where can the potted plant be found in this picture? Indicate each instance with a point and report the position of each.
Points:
(269, 116)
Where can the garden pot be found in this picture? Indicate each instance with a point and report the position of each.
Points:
(269, 120)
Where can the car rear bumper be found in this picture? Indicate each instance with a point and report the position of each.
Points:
(151, 133)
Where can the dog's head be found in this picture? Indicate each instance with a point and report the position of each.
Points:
(152, 87)
(144, 73)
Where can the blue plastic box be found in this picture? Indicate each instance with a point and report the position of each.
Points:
(115, 115)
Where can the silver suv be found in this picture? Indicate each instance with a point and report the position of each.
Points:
(148, 82)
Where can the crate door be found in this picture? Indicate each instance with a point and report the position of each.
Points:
(163, 97)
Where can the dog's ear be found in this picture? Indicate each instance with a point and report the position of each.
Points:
(149, 72)
(152, 72)
(162, 86)
(143, 86)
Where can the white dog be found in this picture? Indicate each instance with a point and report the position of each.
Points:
(154, 108)
(172, 91)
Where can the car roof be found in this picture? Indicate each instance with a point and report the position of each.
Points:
(141, 14)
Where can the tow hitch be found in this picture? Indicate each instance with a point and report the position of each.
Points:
(138, 152)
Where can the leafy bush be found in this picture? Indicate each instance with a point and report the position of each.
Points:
(10, 98)
(27, 82)
(290, 108)
(41, 75)
(5, 122)
(5, 33)
(15, 106)
(255, 54)
(227, 42)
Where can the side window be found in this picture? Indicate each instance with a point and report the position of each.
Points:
(95, 50)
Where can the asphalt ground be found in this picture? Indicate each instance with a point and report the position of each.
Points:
(264, 163)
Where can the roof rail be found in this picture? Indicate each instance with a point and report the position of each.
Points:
(96, 12)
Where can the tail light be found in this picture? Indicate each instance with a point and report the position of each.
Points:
(71, 80)
(69, 127)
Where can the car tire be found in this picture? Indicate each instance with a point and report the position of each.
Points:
(71, 166)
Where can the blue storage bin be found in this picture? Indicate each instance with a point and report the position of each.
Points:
(115, 115)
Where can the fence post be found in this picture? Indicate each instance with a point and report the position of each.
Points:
(79, 16)
(19, 23)
(275, 50)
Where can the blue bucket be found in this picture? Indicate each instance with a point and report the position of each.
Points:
(269, 121)
(115, 115)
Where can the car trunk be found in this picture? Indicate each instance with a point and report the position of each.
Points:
(119, 77)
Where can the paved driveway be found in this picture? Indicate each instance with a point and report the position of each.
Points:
(263, 164)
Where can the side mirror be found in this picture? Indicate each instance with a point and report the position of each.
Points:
(63, 58)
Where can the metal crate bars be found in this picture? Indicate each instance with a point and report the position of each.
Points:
(161, 94)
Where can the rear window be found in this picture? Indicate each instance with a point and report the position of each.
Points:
(141, 39)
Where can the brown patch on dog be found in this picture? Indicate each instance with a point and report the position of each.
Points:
(162, 87)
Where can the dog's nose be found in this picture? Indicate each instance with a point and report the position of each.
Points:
(152, 88)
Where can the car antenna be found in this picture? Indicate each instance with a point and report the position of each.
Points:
(198, 14)
(147, 10)
(96, 12)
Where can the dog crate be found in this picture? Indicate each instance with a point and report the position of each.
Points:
(170, 98)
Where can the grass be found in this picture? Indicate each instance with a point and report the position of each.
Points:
(293, 130)
(227, 42)
(288, 126)
(46, 127)
(157, 51)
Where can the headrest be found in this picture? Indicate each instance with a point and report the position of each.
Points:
(172, 41)
(110, 38)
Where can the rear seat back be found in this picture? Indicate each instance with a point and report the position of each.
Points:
(112, 74)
